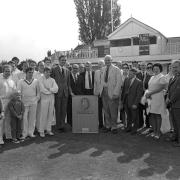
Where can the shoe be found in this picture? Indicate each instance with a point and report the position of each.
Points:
(21, 139)
(146, 131)
(106, 130)
(157, 137)
(114, 131)
(171, 130)
(32, 135)
(150, 135)
(50, 133)
(61, 130)
(1, 142)
(42, 134)
(16, 141)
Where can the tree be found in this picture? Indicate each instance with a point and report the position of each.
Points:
(95, 19)
(49, 53)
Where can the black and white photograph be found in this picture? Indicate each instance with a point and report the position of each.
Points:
(89, 90)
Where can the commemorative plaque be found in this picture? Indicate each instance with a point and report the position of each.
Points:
(85, 114)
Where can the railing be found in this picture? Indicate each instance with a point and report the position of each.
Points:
(173, 48)
(78, 54)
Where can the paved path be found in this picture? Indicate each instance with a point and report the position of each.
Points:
(70, 156)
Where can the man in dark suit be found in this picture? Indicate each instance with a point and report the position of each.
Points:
(74, 76)
(173, 99)
(62, 78)
(131, 95)
(144, 76)
(86, 80)
(97, 84)
(141, 75)
(74, 89)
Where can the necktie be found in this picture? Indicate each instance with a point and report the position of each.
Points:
(100, 76)
(75, 77)
(142, 75)
(106, 75)
(129, 85)
(90, 82)
(62, 70)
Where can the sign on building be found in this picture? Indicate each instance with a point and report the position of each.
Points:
(144, 44)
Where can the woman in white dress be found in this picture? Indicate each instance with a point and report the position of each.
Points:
(157, 107)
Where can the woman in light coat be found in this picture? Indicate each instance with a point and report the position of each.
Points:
(155, 93)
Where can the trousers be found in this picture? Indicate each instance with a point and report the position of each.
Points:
(175, 112)
(16, 127)
(29, 119)
(110, 107)
(61, 110)
(46, 113)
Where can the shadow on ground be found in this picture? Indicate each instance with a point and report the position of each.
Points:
(161, 158)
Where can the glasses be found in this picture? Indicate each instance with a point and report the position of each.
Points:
(149, 67)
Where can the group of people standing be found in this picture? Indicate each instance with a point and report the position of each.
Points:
(146, 100)
(27, 101)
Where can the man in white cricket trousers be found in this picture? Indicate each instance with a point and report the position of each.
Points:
(29, 88)
(48, 87)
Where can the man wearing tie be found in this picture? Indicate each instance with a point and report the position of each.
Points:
(131, 96)
(97, 84)
(75, 91)
(173, 100)
(86, 80)
(110, 91)
(62, 78)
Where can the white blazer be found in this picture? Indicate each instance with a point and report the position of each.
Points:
(114, 81)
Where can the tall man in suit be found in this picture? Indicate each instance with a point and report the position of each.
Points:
(97, 84)
(75, 90)
(86, 80)
(62, 78)
(131, 96)
(110, 91)
(173, 99)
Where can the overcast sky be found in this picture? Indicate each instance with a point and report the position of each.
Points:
(31, 27)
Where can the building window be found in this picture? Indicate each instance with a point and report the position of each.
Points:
(135, 40)
(121, 42)
(153, 39)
